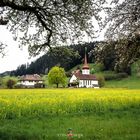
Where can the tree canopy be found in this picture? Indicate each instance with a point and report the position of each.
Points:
(57, 76)
(124, 19)
(119, 55)
(47, 22)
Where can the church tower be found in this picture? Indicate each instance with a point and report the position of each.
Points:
(85, 68)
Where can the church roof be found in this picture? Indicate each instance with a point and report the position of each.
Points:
(81, 76)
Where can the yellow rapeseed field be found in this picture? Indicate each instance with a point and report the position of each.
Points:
(37, 102)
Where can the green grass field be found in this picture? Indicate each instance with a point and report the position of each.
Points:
(131, 82)
(47, 114)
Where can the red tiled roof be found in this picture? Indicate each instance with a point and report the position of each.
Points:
(34, 77)
(81, 76)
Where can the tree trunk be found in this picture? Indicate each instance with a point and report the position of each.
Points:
(57, 85)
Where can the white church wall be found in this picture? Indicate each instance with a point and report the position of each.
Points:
(73, 78)
(88, 83)
(95, 82)
(81, 84)
(85, 71)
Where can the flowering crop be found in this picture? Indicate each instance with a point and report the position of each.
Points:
(45, 102)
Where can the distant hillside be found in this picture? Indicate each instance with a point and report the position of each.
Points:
(5, 73)
(64, 56)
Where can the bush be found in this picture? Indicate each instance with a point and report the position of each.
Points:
(5, 80)
(18, 86)
(117, 76)
(10, 83)
(97, 67)
(135, 68)
(101, 80)
(122, 75)
(110, 77)
(92, 71)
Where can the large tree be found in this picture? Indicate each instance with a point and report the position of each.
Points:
(123, 19)
(47, 22)
(123, 22)
(57, 76)
(119, 55)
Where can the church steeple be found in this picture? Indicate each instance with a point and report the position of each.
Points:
(85, 68)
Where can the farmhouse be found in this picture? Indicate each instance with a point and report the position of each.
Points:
(84, 78)
(31, 81)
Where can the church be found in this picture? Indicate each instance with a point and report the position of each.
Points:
(84, 78)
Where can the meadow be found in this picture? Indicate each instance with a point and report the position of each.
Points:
(47, 114)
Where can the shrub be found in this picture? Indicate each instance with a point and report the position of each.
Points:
(122, 75)
(96, 67)
(116, 76)
(135, 68)
(92, 71)
(10, 83)
(101, 80)
(18, 86)
(110, 77)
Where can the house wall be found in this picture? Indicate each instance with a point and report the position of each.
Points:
(29, 83)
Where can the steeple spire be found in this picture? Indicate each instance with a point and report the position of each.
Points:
(85, 60)
(85, 66)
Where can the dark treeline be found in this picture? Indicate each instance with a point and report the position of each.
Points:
(64, 56)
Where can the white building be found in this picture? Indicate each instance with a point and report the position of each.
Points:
(84, 79)
(30, 80)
